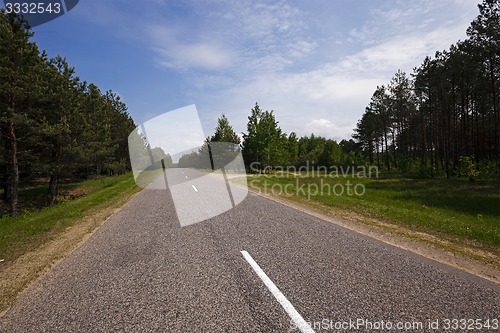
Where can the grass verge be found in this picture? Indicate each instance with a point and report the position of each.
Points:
(452, 209)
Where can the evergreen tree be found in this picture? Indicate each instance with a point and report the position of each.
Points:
(264, 144)
(251, 140)
(224, 132)
(52, 125)
(18, 58)
(448, 113)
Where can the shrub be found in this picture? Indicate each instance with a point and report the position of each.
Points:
(468, 167)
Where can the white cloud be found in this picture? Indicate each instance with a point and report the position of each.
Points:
(330, 97)
(400, 37)
(200, 55)
(299, 100)
(179, 53)
(234, 53)
(403, 52)
(244, 36)
(322, 127)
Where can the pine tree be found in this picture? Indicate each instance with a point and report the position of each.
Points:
(18, 57)
(224, 132)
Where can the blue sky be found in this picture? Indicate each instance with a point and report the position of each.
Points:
(315, 63)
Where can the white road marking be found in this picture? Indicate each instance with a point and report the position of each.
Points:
(300, 323)
(194, 188)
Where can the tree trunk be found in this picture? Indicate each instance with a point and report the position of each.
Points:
(55, 175)
(53, 187)
(387, 151)
(496, 112)
(12, 166)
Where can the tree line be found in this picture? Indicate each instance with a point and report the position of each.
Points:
(443, 119)
(446, 115)
(53, 125)
(265, 146)
(223, 146)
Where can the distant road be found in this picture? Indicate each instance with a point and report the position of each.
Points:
(261, 267)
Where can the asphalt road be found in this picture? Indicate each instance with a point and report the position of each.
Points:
(143, 272)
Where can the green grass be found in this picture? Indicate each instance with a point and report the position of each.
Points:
(26, 231)
(449, 207)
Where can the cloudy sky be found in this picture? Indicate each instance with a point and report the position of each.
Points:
(315, 63)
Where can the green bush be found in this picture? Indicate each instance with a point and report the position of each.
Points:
(468, 167)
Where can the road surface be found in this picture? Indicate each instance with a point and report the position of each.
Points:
(143, 272)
